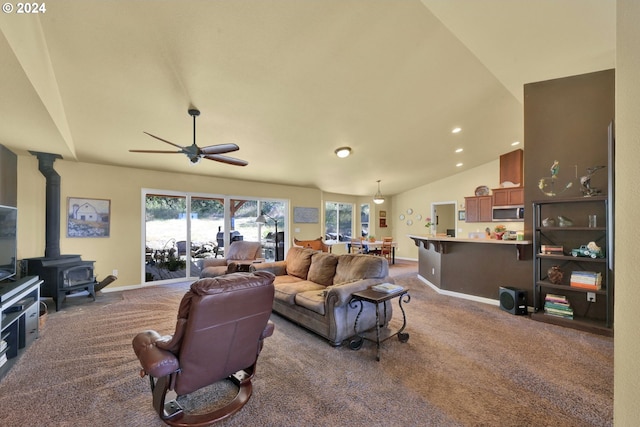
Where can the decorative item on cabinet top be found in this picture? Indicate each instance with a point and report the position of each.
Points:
(482, 190)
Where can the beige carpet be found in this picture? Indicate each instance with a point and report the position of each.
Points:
(465, 364)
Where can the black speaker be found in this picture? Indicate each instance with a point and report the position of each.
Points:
(513, 300)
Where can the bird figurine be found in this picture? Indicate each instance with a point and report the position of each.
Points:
(555, 167)
(548, 183)
(585, 182)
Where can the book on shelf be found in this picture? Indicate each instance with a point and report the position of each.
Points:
(551, 250)
(556, 298)
(586, 280)
(570, 317)
(558, 305)
(387, 288)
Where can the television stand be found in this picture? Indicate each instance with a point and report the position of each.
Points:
(19, 306)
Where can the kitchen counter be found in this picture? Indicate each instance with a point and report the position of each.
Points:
(474, 268)
(441, 246)
(462, 239)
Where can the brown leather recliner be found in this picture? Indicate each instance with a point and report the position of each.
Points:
(221, 325)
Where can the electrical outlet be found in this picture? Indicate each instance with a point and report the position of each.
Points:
(591, 296)
(115, 273)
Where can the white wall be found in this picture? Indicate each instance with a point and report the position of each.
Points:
(627, 205)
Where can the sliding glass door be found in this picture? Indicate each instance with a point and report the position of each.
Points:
(272, 229)
(165, 237)
(180, 229)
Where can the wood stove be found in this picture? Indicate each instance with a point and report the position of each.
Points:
(63, 275)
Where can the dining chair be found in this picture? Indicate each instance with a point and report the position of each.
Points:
(356, 246)
(387, 248)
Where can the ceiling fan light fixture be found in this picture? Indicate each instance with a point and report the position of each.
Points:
(194, 153)
(378, 199)
(343, 152)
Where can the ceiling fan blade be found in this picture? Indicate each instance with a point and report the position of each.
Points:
(219, 149)
(226, 159)
(155, 151)
(164, 140)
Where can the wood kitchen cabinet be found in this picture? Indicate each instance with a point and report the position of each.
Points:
(478, 209)
(511, 167)
(508, 196)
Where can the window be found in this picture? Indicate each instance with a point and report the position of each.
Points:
(338, 221)
(364, 219)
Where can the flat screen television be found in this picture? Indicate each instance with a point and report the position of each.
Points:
(8, 241)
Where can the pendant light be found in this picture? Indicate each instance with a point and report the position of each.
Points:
(378, 198)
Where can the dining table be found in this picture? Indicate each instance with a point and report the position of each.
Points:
(376, 245)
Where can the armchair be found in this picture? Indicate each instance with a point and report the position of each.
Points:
(239, 252)
(219, 334)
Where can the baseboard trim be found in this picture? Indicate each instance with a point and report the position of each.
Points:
(459, 294)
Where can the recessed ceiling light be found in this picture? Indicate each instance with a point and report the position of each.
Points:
(456, 130)
(515, 143)
(459, 164)
(343, 152)
(459, 150)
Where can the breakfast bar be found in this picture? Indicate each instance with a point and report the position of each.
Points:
(474, 268)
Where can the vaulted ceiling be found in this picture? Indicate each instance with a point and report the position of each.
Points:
(290, 81)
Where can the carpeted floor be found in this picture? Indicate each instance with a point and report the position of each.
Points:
(465, 364)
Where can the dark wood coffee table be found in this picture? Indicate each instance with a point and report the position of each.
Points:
(375, 297)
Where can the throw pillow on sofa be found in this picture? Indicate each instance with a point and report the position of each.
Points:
(298, 261)
(323, 268)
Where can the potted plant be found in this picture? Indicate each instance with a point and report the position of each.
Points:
(429, 225)
(500, 230)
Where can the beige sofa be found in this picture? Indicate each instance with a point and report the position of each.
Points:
(314, 288)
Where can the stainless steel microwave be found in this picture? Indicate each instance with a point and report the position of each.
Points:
(508, 213)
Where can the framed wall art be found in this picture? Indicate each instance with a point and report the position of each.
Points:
(305, 215)
(88, 217)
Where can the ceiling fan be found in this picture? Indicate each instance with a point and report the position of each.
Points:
(195, 153)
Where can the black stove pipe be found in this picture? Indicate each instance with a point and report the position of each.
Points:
(52, 218)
